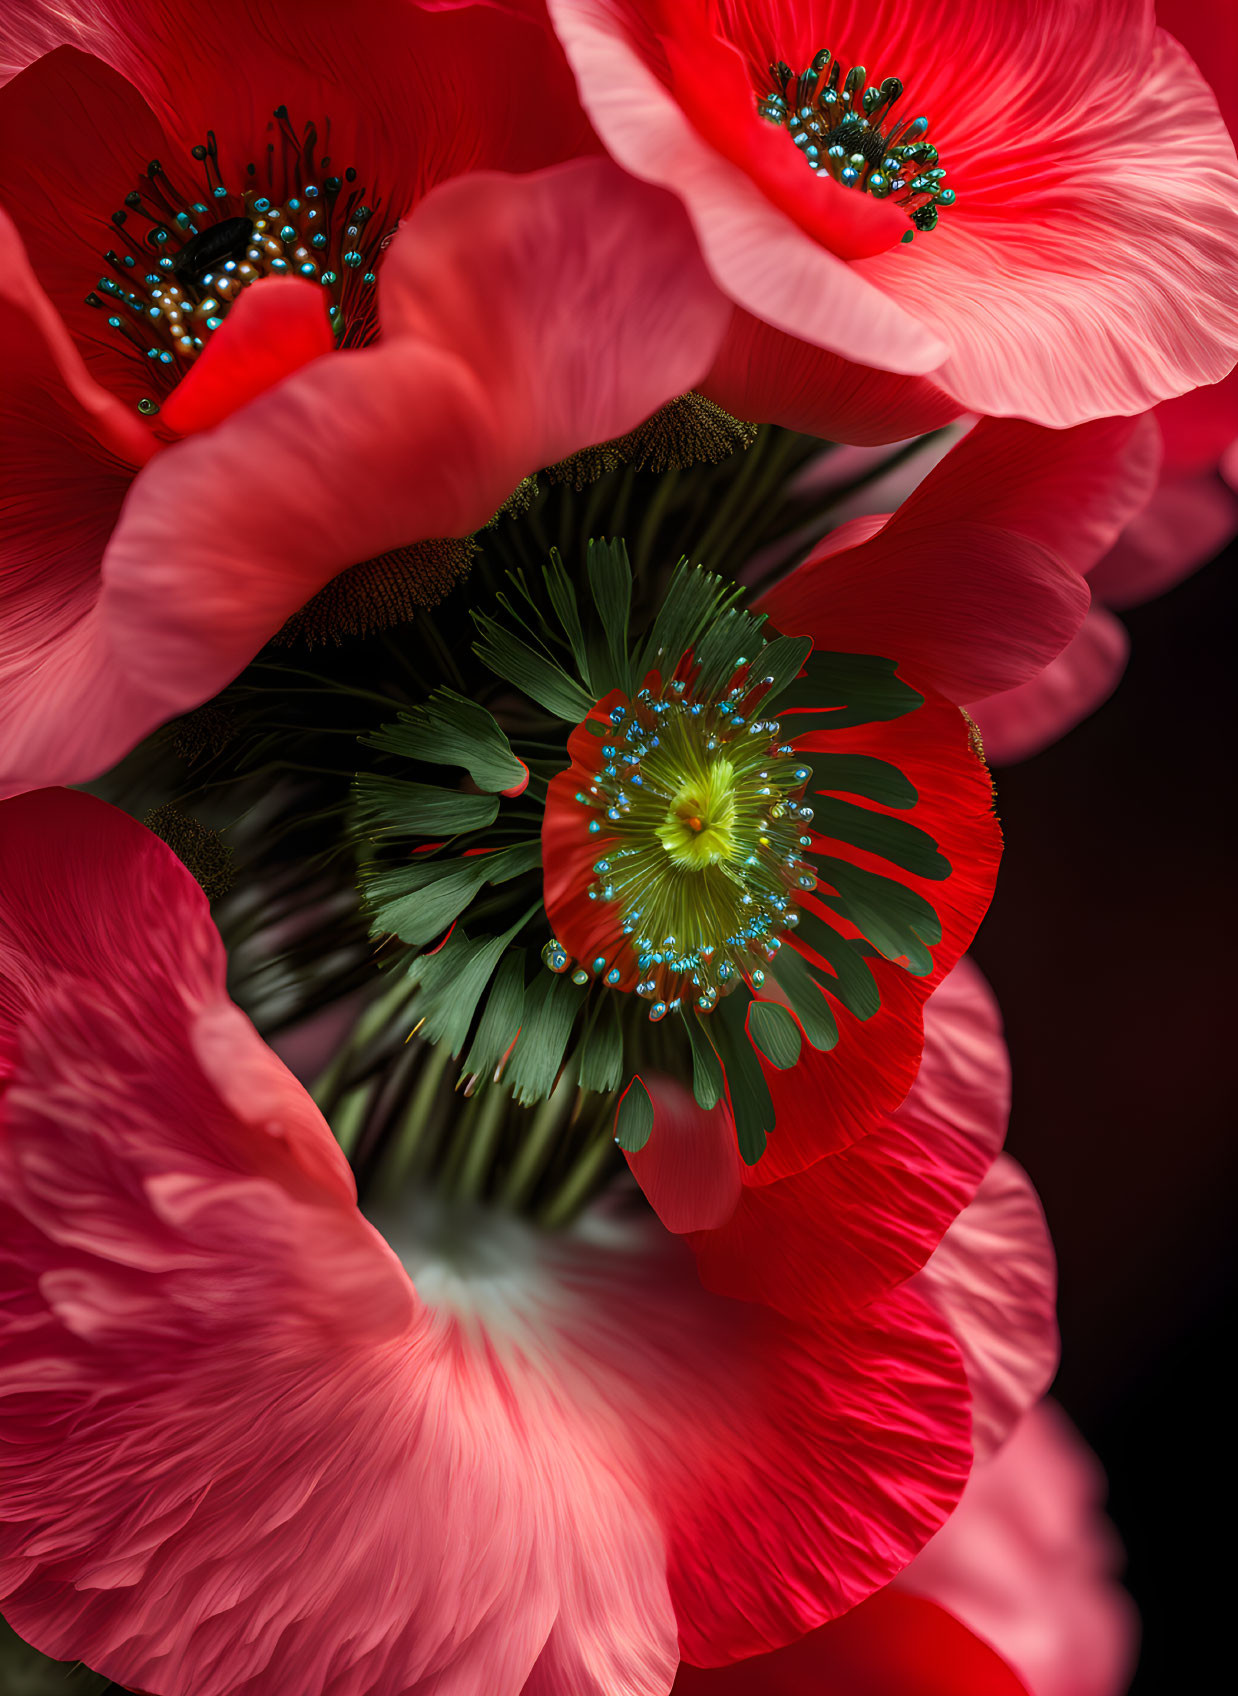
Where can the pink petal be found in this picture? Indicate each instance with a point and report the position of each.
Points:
(1022, 721)
(1029, 1562)
(227, 533)
(276, 326)
(770, 377)
(1060, 302)
(862, 1220)
(1187, 523)
(68, 453)
(994, 1277)
(242, 1448)
(973, 584)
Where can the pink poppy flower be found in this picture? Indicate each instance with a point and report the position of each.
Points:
(971, 214)
(1017, 1593)
(250, 1444)
(140, 572)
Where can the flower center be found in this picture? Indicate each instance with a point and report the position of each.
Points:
(702, 811)
(186, 254)
(848, 132)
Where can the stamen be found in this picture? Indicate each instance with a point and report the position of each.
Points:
(171, 284)
(847, 133)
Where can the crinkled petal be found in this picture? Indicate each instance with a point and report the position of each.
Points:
(994, 1278)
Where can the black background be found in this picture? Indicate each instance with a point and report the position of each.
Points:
(1111, 945)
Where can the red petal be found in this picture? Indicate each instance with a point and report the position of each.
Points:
(276, 326)
(892, 1645)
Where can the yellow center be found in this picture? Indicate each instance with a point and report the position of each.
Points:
(699, 827)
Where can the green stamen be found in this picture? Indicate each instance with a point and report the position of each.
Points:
(847, 133)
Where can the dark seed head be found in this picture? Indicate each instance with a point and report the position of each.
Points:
(220, 241)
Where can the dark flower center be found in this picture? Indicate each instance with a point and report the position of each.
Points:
(187, 254)
(848, 132)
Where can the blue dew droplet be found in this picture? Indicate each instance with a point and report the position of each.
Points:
(555, 955)
(658, 1011)
(613, 976)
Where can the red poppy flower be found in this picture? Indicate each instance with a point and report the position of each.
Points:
(961, 199)
(248, 1441)
(968, 589)
(197, 234)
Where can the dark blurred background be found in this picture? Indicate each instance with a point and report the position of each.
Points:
(1111, 946)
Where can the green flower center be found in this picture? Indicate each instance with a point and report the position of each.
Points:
(705, 828)
(847, 131)
(699, 827)
(186, 254)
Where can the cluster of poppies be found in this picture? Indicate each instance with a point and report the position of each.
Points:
(547, 510)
